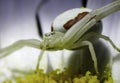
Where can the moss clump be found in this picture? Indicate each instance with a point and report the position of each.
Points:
(56, 77)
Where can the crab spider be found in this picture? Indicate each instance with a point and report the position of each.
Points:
(75, 36)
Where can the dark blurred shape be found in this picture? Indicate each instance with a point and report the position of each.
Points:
(84, 3)
(37, 17)
(82, 58)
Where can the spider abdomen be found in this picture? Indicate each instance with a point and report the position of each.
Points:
(67, 19)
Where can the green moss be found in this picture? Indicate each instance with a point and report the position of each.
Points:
(57, 77)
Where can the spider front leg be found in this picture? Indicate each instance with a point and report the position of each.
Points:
(82, 26)
(18, 45)
(39, 59)
(72, 38)
(91, 49)
(98, 35)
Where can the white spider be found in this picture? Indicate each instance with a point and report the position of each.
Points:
(76, 37)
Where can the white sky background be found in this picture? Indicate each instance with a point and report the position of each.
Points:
(17, 22)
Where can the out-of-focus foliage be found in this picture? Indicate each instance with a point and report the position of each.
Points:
(57, 76)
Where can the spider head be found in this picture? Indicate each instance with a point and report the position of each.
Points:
(52, 41)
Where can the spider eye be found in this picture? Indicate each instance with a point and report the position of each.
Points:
(49, 35)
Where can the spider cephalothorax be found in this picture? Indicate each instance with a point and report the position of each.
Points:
(52, 41)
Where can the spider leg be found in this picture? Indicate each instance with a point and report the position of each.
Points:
(78, 29)
(98, 35)
(39, 59)
(110, 41)
(76, 34)
(78, 43)
(91, 49)
(18, 45)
